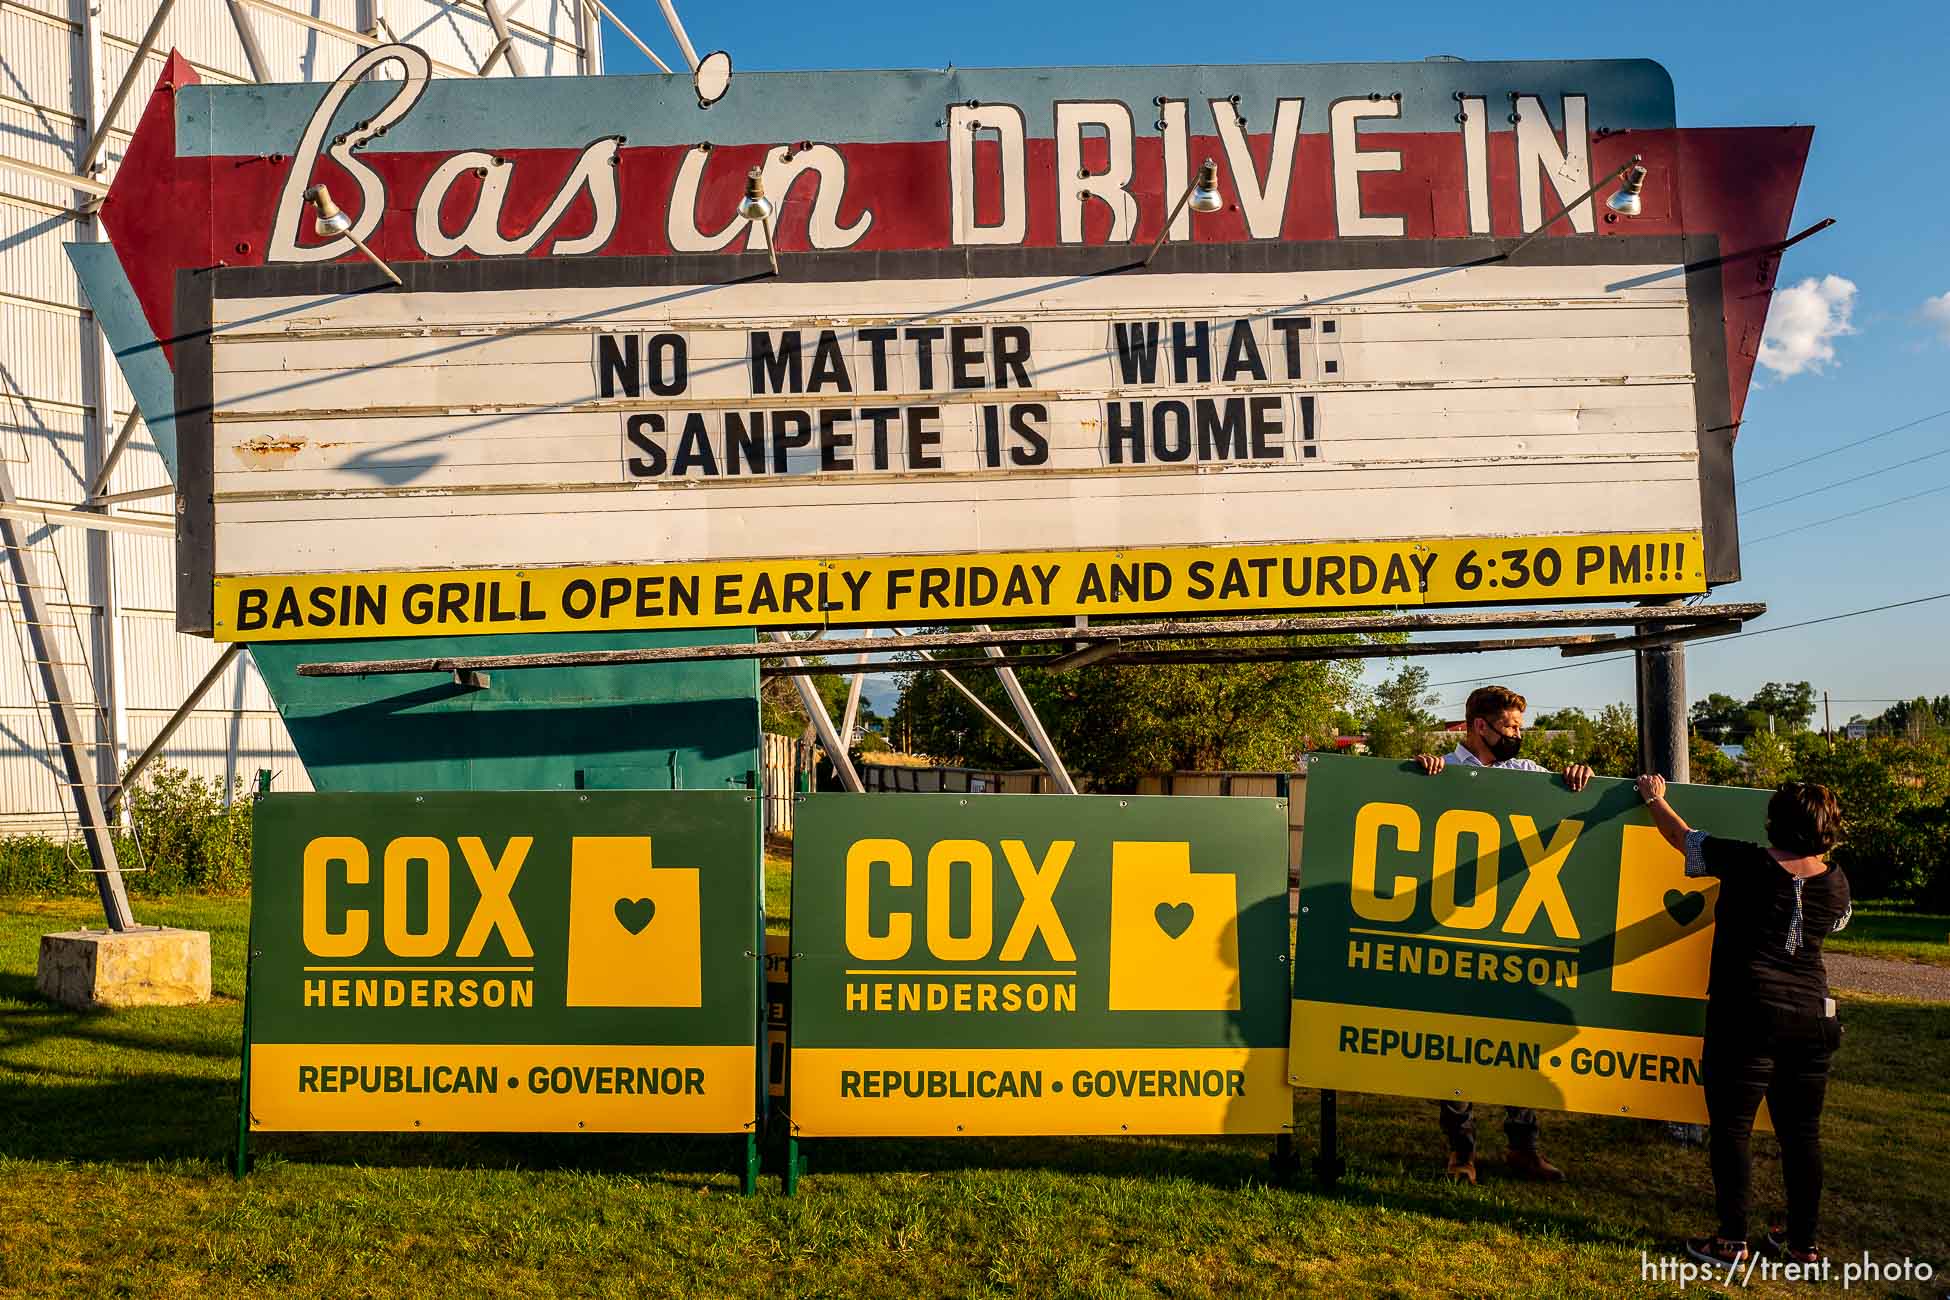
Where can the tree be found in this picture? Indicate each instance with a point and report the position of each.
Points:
(1915, 719)
(1115, 723)
(1719, 717)
(1770, 758)
(1928, 830)
(1399, 724)
(1607, 743)
(931, 718)
(1724, 720)
(1615, 741)
(1895, 839)
(780, 711)
(1710, 765)
(1789, 704)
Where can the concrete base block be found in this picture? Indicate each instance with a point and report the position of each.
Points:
(150, 967)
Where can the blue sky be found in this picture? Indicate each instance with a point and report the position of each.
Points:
(1872, 83)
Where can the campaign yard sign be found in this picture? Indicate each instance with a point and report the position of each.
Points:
(513, 961)
(1017, 964)
(778, 995)
(1490, 936)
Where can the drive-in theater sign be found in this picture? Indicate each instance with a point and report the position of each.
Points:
(968, 390)
(456, 358)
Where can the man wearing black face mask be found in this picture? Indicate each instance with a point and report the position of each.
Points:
(1492, 737)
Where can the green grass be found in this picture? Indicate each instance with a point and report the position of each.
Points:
(115, 1133)
(1896, 931)
(778, 886)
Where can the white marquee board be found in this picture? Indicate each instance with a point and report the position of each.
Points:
(501, 447)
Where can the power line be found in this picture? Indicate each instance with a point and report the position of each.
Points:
(1880, 505)
(1859, 442)
(1705, 641)
(1532, 672)
(1829, 487)
(1831, 618)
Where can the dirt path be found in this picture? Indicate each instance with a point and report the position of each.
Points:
(1901, 979)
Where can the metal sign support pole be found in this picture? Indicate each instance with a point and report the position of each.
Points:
(176, 719)
(242, 1165)
(1285, 1160)
(635, 40)
(1662, 712)
(823, 723)
(1030, 722)
(677, 30)
(247, 36)
(795, 1159)
(98, 139)
(1329, 1165)
(112, 455)
(81, 782)
(99, 445)
(982, 706)
(504, 39)
(853, 702)
(755, 781)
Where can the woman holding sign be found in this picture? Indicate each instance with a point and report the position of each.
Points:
(1770, 1024)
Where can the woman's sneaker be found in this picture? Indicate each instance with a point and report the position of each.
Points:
(1717, 1251)
(1777, 1241)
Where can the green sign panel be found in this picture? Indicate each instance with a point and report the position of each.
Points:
(1491, 936)
(510, 961)
(1001, 964)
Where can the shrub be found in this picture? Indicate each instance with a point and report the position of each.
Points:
(37, 864)
(1896, 840)
(184, 839)
(1710, 766)
(188, 837)
(1608, 743)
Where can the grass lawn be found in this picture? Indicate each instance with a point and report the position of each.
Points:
(778, 885)
(1896, 931)
(115, 1131)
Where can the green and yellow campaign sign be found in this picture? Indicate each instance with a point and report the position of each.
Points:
(511, 962)
(1014, 964)
(1490, 936)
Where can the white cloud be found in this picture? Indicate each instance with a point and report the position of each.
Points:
(1804, 322)
(1937, 312)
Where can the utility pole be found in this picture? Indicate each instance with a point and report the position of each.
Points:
(1827, 720)
(1662, 712)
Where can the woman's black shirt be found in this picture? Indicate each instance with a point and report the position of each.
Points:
(1767, 926)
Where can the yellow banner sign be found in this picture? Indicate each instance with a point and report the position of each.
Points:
(894, 590)
(467, 1088)
(920, 1092)
(1515, 1062)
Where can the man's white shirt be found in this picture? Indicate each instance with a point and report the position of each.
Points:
(1462, 755)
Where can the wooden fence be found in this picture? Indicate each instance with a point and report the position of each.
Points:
(1262, 785)
(890, 778)
(782, 761)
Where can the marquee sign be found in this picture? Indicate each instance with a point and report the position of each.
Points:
(966, 393)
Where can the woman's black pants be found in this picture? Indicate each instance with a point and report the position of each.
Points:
(1750, 1056)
